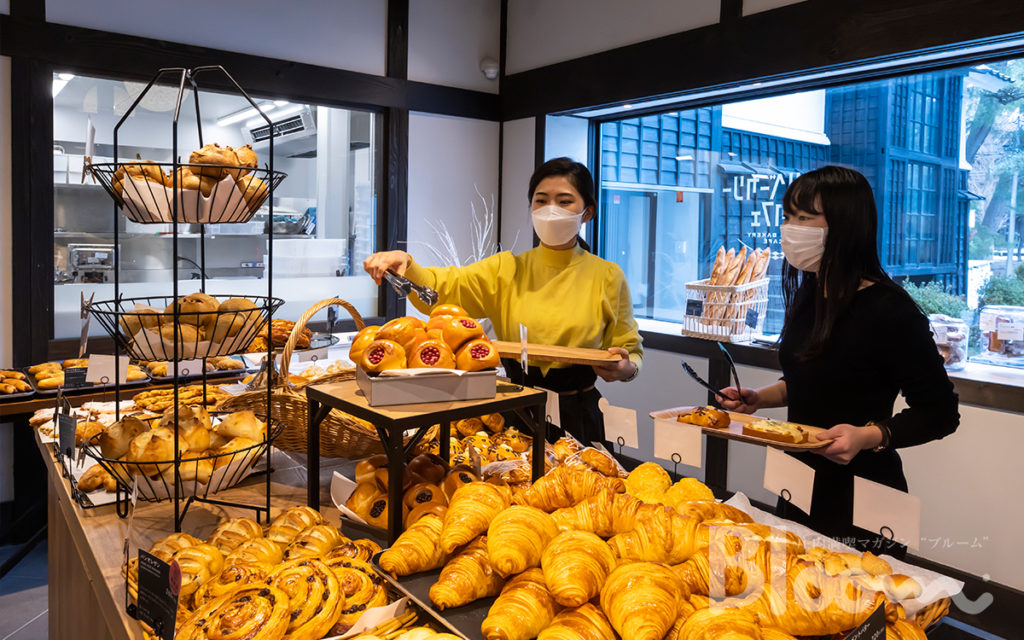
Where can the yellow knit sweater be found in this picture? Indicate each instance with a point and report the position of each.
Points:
(570, 298)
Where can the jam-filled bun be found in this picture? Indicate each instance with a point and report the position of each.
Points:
(400, 330)
(459, 331)
(477, 355)
(448, 310)
(365, 336)
(381, 355)
(433, 354)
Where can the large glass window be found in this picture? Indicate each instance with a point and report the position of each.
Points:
(325, 211)
(943, 152)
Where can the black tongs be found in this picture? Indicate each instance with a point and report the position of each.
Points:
(732, 367)
(404, 286)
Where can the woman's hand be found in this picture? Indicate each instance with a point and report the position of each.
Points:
(740, 400)
(619, 370)
(847, 441)
(377, 264)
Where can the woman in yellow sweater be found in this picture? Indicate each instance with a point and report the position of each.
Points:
(561, 292)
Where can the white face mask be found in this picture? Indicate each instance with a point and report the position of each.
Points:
(556, 226)
(803, 246)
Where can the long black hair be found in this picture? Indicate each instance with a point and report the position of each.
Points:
(579, 177)
(845, 198)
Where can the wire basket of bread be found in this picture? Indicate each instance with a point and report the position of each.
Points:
(201, 325)
(217, 185)
(341, 435)
(215, 451)
(729, 305)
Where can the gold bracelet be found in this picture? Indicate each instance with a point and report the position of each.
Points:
(886, 436)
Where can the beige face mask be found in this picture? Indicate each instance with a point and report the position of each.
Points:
(556, 226)
(803, 246)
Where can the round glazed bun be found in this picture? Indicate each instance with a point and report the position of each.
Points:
(381, 355)
(430, 468)
(477, 355)
(459, 476)
(213, 154)
(254, 191)
(401, 329)
(361, 499)
(365, 336)
(115, 439)
(246, 158)
(448, 310)
(365, 469)
(140, 317)
(156, 445)
(195, 309)
(423, 493)
(432, 354)
(241, 424)
(438, 322)
(239, 305)
(459, 331)
(187, 334)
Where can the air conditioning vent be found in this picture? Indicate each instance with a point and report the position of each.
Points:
(291, 125)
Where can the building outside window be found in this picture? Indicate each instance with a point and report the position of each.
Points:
(942, 150)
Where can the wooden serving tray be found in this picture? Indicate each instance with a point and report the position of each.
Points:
(735, 430)
(554, 353)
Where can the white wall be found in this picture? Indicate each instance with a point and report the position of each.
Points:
(757, 6)
(567, 136)
(517, 160)
(344, 34)
(542, 32)
(968, 484)
(448, 38)
(449, 159)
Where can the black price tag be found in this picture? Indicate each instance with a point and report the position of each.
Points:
(873, 628)
(752, 317)
(75, 377)
(159, 584)
(66, 425)
(695, 307)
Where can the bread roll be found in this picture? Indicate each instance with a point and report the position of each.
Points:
(241, 424)
(253, 190)
(246, 158)
(116, 439)
(155, 445)
(216, 156)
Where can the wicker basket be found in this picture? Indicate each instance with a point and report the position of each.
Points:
(341, 435)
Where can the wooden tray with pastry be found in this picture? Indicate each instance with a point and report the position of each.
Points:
(14, 384)
(555, 353)
(788, 436)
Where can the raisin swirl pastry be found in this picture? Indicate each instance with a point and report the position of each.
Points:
(251, 612)
(230, 578)
(362, 587)
(358, 549)
(315, 599)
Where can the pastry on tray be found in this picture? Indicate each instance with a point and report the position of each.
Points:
(705, 417)
(777, 430)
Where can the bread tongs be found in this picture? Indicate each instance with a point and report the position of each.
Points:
(732, 367)
(404, 286)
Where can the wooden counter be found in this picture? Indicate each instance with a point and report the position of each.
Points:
(86, 592)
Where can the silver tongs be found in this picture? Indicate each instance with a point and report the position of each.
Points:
(732, 366)
(404, 286)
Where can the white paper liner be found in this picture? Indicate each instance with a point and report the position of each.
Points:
(934, 586)
(148, 202)
(341, 489)
(148, 345)
(373, 617)
(97, 496)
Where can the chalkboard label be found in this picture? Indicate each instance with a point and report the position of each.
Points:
(75, 377)
(159, 584)
(695, 307)
(873, 628)
(66, 425)
(752, 318)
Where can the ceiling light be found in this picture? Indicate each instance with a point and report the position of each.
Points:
(627, 106)
(249, 112)
(280, 103)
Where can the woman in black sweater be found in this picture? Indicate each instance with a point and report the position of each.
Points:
(851, 342)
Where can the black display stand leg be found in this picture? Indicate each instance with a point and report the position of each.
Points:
(445, 441)
(396, 473)
(315, 414)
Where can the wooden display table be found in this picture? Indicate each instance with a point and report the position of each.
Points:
(392, 422)
(87, 591)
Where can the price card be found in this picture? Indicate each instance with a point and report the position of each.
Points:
(186, 367)
(74, 377)
(752, 317)
(987, 322)
(888, 511)
(1010, 330)
(619, 423)
(523, 360)
(873, 628)
(313, 355)
(159, 585)
(681, 443)
(101, 369)
(552, 411)
(695, 308)
(789, 478)
(66, 425)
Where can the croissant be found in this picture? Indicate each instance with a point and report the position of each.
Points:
(661, 535)
(314, 595)
(517, 537)
(695, 575)
(417, 549)
(467, 577)
(523, 609)
(735, 536)
(771, 633)
(600, 462)
(586, 622)
(576, 564)
(315, 541)
(470, 512)
(720, 622)
(932, 613)
(564, 487)
(904, 630)
(256, 550)
(198, 564)
(605, 514)
(287, 526)
(230, 534)
(711, 510)
(641, 600)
